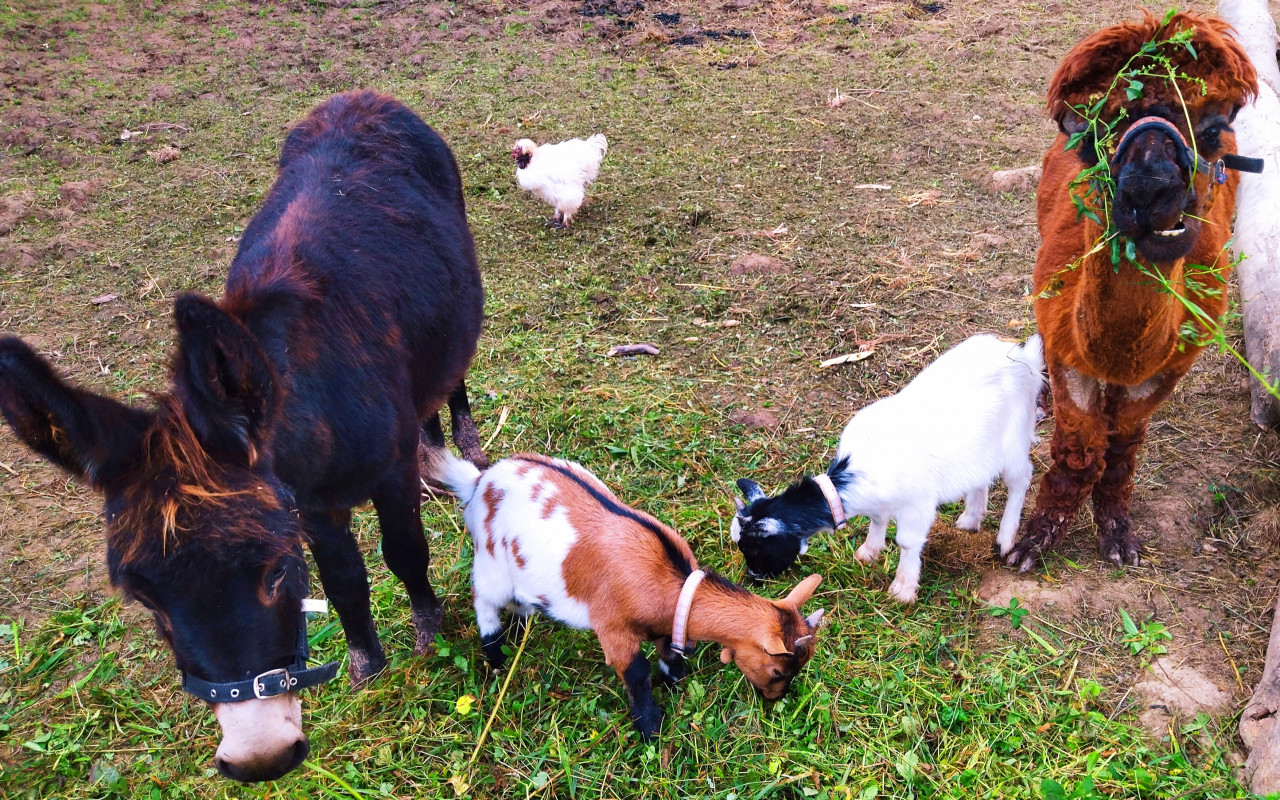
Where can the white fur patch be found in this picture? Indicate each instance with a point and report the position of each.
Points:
(1081, 389)
(529, 550)
(258, 732)
(1145, 389)
(735, 528)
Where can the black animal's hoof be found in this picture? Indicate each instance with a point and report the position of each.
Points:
(648, 723)
(364, 666)
(427, 623)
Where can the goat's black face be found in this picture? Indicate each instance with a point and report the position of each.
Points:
(769, 556)
(772, 532)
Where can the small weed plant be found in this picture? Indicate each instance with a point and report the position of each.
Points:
(1146, 639)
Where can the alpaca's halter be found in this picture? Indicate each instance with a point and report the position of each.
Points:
(833, 498)
(1217, 171)
(681, 623)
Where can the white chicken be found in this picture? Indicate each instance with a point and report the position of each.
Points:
(559, 174)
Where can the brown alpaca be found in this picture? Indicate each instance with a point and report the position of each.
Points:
(1113, 340)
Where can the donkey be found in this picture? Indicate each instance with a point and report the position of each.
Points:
(351, 314)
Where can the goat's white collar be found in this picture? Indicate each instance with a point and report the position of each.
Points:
(681, 622)
(833, 498)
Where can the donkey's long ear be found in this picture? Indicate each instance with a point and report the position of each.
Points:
(88, 435)
(225, 383)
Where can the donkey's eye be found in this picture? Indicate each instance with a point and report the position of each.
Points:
(275, 578)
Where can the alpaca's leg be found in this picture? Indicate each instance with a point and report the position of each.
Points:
(1078, 447)
(871, 549)
(1129, 408)
(1017, 480)
(913, 531)
(975, 508)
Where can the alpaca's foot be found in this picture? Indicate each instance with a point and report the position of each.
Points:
(1044, 531)
(1117, 543)
(867, 554)
(903, 590)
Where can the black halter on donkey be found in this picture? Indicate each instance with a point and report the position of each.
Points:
(271, 683)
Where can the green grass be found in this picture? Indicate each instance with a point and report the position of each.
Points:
(939, 700)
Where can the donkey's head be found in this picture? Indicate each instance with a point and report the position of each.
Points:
(1169, 134)
(198, 528)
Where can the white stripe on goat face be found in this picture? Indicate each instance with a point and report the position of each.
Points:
(532, 536)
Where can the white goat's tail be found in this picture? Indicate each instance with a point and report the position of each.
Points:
(600, 143)
(1033, 353)
(457, 474)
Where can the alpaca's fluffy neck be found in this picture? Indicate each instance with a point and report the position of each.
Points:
(1126, 320)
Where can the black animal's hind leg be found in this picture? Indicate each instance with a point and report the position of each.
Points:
(432, 433)
(465, 434)
(398, 501)
(346, 584)
(670, 664)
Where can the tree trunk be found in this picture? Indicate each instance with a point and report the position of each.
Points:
(1257, 228)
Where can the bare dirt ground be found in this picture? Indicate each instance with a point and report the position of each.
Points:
(138, 139)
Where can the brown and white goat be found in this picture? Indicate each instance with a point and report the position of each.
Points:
(549, 536)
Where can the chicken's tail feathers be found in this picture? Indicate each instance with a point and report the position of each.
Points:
(458, 475)
(601, 143)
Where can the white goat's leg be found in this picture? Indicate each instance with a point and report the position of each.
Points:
(871, 549)
(1016, 481)
(975, 508)
(492, 633)
(913, 531)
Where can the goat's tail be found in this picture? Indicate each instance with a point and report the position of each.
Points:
(600, 143)
(1033, 354)
(457, 474)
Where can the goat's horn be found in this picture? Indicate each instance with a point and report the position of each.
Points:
(815, 619)
(803, 640)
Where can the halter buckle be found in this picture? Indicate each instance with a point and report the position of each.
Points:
(259, 687)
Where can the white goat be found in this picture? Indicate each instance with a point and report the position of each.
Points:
(964, 421)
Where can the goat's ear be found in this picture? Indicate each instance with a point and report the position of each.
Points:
(803, 591)
(226, 385)
(773, 645)
(88, 435)
(726, 655)
(750, 490)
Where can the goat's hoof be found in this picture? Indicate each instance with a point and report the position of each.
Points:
(649, 724)
(867, 555)
(903, 592)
